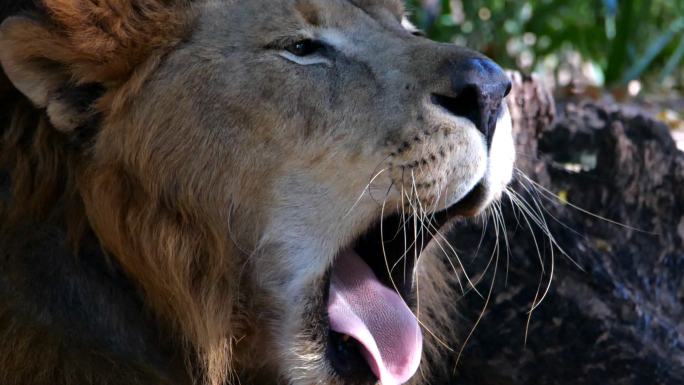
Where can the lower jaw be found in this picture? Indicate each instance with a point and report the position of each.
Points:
(345, 355)
(471, 205)
(342, 352)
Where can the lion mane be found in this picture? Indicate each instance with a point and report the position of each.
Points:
(175, 256)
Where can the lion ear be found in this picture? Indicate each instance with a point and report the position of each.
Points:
(27, 61)
(37, 63)
(80, 43)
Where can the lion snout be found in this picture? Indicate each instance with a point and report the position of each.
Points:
(477, 89)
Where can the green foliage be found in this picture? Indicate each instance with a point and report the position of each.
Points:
(622, 39)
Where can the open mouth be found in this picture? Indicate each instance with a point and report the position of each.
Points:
(374, 335)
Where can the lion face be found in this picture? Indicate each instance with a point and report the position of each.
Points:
(323, 142)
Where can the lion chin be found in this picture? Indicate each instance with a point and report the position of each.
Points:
(235, 192)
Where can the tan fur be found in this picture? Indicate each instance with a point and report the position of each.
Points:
(221, 202)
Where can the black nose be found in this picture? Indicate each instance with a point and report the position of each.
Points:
(478, 87)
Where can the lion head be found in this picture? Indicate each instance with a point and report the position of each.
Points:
(266, 172)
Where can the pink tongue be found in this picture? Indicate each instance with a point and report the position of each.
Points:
(375, 316)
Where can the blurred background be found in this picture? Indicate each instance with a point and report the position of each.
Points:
(626, 46)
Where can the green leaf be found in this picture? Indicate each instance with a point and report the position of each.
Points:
(674, 60)
(654, 50)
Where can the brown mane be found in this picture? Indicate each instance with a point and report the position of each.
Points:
(100, 42)
(176, 258)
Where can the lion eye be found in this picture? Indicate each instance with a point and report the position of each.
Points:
(304, 47)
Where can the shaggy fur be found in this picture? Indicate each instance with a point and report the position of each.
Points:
(91, 45)
(174, 184)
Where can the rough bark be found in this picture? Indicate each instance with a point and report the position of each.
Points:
(614, 312)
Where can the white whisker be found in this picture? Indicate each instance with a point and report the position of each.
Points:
(365, 189)
(484, 307)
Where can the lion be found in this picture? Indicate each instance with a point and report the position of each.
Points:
(234, 192)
